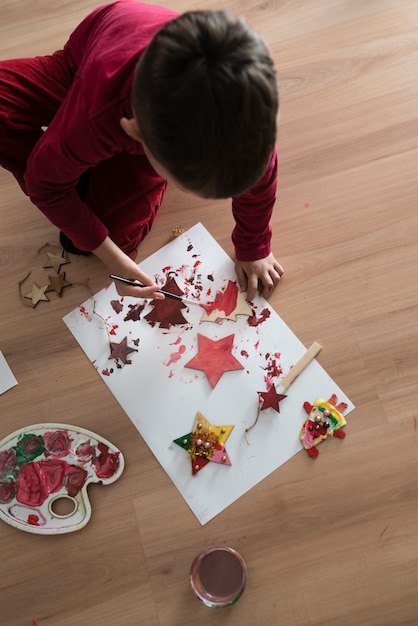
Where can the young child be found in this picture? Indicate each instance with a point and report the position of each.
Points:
(139, 96)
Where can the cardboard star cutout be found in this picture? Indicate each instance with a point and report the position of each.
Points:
(120, 351)
(270, 399)
(214, 358)
(168, 311)
(227, 305)
(56, 260)
(57, 283)
(37, 294)
(206, 443)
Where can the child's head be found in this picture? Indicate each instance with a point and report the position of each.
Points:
(205, 99)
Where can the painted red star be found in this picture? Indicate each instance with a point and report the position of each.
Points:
(270, 399)
(120, 351)
(214, 358)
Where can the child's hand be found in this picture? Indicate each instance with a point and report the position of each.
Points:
(120, 264)
(263, 274)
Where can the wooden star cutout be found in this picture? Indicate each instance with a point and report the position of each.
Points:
(270, 399)
(37, 294)
(206, 443)
(227, 305)
(214, 358)
(120, 351)
(57, 283)
(56, 260)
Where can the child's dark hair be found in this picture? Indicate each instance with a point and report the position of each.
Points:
(206, 100)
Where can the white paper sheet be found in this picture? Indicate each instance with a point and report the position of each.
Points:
(162, 397)
(7, 379)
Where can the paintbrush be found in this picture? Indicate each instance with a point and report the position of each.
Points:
(167, 294)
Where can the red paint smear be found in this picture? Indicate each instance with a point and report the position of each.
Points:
(176, 342)
(86, 314)
(176, 356)
(106, 463)
(256, 345)
(256, 321)
(197, 264)
(166, 269)
(225, 301)
(106, 372)
(273, 369)
(189, 247)
(113, 329)
(33, 520)
(244, 353)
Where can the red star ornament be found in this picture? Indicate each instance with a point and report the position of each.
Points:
(214, 358)
(120, 351)
(270, 399)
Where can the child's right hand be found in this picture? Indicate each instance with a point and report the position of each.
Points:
(120, 264)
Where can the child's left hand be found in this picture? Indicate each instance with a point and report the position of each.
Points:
(263, 274)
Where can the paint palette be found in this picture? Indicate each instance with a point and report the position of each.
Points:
(44, 473)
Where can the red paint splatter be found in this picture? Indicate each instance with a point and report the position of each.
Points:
(189, 247)
(166, 269)
(113, 329)
(256, 321)
(107, 372)
(176, 356)
(197, 263)
(273, 369)
(85, 313)
(176, 342)
(244, 353)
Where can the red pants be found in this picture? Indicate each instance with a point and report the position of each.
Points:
(119, 192)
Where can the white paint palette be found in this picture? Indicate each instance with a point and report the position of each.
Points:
(44, 473)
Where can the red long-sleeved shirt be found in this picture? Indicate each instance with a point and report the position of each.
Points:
(102, 53)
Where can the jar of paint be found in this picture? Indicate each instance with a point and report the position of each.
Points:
(218, 576)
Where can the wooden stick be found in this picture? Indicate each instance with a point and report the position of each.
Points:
(300, 365)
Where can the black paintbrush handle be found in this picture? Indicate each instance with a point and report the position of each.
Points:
(133, 283)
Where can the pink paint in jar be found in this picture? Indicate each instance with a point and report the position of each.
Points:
(218, 576)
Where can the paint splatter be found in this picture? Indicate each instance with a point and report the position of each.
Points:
(85, 313)
(176, 356)
(256, 321)
(245, 353)
(113, 329)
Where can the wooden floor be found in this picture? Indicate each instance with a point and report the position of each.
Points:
(331, 541)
